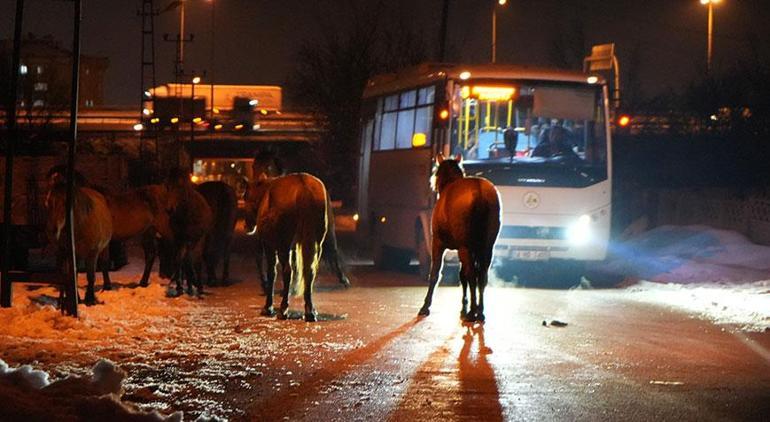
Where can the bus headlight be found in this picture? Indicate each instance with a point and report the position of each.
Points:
(579, 232)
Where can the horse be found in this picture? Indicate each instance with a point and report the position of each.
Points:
(92, 226)
(190, 222)
(224, 206)
(466, 218)
(266, 162)
(139, 212)
(289, 215)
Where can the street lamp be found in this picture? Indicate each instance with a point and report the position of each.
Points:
(211, 65)
(494, 28)
(709, 49)
(195, 81)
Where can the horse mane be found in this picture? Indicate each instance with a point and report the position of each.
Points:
(445, 173)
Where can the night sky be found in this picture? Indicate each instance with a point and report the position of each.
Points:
(256, 39)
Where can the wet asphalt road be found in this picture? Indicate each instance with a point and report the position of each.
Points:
(615, 360)
(371, 359)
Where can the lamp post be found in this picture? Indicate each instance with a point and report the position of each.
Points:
(211, 65)
(710, 47)
(195, 81)
(494, 28)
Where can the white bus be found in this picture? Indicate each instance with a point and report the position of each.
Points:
(541, 136)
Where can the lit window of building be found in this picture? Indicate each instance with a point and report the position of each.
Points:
(23, 69)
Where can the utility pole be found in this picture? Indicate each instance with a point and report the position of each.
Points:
(148, 82)
(443, 32)
(70, 291)
(10, 146)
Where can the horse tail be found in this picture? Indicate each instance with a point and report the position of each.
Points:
(309, 239)
(331, 253)
(486, 214)
(298, 286)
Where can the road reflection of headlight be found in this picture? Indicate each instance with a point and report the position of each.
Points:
(579, 232)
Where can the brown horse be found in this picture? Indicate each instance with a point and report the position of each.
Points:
(267, 163)
(92, 224)
(224, 206)
(289, 215)
(140, 212)
(190, 222)
(466, 218)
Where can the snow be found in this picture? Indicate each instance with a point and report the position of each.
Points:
(719, 275)
(26, 392)
(746, 306)
(689, 254)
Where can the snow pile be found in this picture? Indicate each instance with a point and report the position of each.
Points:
(140, 312)
(746, 305)
(28, 394)
(689, 254)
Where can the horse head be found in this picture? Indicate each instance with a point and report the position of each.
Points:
(178, 187)
(252, 197)
(445, 171)
(56, 210)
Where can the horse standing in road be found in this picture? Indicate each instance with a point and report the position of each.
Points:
(289, 215)
(190, 222)
(466, 218)
(266, 163)
(224, 206)
(92, 226)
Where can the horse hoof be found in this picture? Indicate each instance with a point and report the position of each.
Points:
(469, 317)
(480, 318)
(283, 315)
(311, 317)
(144, 284)
(345, 282)
(424, 311)
(268, 311)
(107, 287)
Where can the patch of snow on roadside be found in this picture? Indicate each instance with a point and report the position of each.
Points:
(745, 305)
(689, 254)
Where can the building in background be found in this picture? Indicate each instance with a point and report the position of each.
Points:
(45, 69)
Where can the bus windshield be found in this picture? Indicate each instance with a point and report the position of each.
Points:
(535, 124)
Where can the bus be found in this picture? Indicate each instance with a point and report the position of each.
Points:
(542, 136)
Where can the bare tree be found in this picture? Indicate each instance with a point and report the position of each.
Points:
(331, 74)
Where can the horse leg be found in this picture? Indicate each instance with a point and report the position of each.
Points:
(210, 257)
(104, 263)
(179, 272)
(91, 277)
(464, 282)
(483, 274)
(310, 257)
(436, 261)
(268, 285)
(284, 257)
(262, 256)
(196, 265)
(468, 277)
(149, 247)
(226, 261)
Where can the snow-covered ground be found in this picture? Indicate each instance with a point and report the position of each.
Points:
(719, 275)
